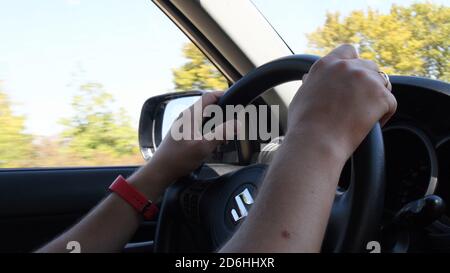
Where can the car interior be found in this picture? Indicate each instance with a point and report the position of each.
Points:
(394, 189)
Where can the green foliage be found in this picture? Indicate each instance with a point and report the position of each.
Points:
(96, 131)
(411, 40)
(198, 73)
(15, 145)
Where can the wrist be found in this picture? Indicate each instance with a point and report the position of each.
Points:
(319, 141)
(151, 180)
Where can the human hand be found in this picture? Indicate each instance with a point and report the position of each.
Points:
(179, 157)
(340, 101)
(175, 158)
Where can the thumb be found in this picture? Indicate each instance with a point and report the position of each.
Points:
(345, 51)
(223, 132)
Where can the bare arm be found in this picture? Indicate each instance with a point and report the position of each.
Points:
(112, 223)
(339, 102)
(291, 211)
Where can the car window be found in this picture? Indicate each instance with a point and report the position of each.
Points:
(74, 75)
(405, 37)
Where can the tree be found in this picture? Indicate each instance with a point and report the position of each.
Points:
(96, 134)
(411, 40)
(15, 144)
(198, 73)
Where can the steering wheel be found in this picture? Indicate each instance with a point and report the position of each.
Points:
(200, 215)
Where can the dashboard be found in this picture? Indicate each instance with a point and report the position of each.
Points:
(417, 151)
(417, 142)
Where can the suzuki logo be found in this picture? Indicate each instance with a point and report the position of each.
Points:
(242, 199)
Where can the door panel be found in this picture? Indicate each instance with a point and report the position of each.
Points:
(38, 204)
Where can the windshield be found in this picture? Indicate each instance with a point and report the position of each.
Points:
(404, 37)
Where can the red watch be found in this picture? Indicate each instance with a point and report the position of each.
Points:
(133, 197)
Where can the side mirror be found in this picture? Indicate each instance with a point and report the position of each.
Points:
(157, 115)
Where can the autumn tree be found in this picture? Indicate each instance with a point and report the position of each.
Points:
(15, 145)
(412, 40)
(198, 73)
(96, 133)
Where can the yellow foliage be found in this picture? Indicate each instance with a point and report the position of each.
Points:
(198, 73)
(411, 40)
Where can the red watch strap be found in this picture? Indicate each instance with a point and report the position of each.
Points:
(133, 197)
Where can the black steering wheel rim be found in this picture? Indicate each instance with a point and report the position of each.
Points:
(356, 214)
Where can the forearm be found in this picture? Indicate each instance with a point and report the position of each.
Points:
(107, 228)
(292, 209)
(112, 223)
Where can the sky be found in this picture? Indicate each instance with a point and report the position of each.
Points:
(49, 47)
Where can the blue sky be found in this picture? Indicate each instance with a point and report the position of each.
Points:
(49, 47)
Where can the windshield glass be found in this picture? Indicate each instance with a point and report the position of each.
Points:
(404, 37)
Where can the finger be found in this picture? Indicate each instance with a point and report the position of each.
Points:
(386, 81)
(206, 99)
(224, 132)
(305, 76)
(368, 64)
(386, 96)
(196, 110)
(345, 51)
(210, 98)
(377, 76)
(389, 86)
(392, 104)
(373, 66)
